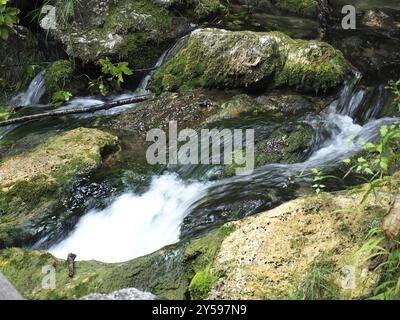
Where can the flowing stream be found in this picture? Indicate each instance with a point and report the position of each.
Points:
(136, 224)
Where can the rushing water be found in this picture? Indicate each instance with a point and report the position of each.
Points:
(134, 225)
(32, 95)
(175, 206)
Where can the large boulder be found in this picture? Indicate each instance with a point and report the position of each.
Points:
(136, 31)
(33, 183)
(223, 59)
(304, 249)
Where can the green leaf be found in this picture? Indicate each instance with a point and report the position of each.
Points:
(384, 130)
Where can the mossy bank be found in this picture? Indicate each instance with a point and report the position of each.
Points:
(33, 183)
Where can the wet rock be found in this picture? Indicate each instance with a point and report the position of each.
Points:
(34, 183)
(215, 58)
(274, 106)
(188, 109)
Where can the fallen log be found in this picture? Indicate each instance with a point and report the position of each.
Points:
(78, 110)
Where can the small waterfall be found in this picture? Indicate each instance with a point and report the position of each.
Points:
(32, 95)
(360, 102)
(143, 86)
(134, 225)
(142, 89)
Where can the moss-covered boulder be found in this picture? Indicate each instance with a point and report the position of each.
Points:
(16, 54)
(215, 58)
(61, 75)
(304, 249)
(167, 273)
(32, 184)
(134, 31)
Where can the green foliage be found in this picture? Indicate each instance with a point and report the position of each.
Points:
(318, 186)
(382, 158)
(60, 98)
(318, 283)
(394, 86)
(112, 76)
(377, 247)
(4, 113)
(8, 18)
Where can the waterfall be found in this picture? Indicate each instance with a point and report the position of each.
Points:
(32, 95)
(134, 225)
(143, 86)
(142, 89)
(138, 224)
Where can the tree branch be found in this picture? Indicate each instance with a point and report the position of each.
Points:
(78, 110)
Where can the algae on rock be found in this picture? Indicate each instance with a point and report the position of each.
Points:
(215, 58)
(33, 183)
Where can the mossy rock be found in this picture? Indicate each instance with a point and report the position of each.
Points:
(134, 31)
(33, 183)
(189, 109)
(277, 107)
(59, 76)
(215, 58)
(166, 273)
(287, 144)
(302, 250)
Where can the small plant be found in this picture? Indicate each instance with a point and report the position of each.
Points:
(60, 98)
(318, 186)
(318, 283)
(382, 157)
(112, 76)
(201, 283)
(394, 86)
(4, 113)
(385, 259)
(8, 18)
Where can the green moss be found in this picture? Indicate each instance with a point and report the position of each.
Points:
(59, 76)
(208, 8)
(201, 284)
(35, 182)
(214, 58)
(169, 273)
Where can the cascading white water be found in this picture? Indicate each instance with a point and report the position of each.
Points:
(142, 89)
(32, 95)
(143, 86)
(133, 225)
